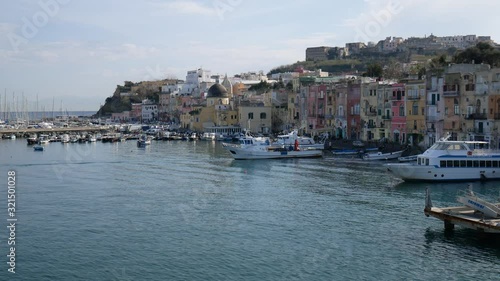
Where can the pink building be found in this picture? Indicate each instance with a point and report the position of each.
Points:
(136, 112)
(353, 111)
(398, 113)
(316, 106)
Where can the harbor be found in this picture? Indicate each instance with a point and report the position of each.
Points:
(201, 215)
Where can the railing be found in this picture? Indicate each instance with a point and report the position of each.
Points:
(413, 97)
(385, 117)
(480, 116)
(371, 113)
(434, 118)
(450, 93)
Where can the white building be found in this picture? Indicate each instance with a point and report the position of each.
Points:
(286, 77)
(149, 111)
(198, 76)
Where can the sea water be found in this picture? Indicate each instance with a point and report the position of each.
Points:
(180, 210)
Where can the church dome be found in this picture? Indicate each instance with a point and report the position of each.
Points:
(217, 91)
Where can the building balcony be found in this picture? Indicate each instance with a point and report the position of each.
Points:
(371, 113)
(416, 97)
(431, 130)
(476, 116)
(371, 126)
(385, 117)
(434, 118)
(479, 131)
(450, 93)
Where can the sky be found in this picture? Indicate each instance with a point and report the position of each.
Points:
(73, 53)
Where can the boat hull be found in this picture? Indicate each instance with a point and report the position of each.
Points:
(413, 172)
(246, 154)
(382, 156)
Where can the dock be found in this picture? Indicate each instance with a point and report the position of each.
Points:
(476, 213)
(20, 132)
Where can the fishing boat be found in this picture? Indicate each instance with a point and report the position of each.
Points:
(450, 160)
(382, 156)
(143, 141)
(260, 148)
(32, 139)
(304, 142)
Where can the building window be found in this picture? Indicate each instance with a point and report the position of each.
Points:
(415, 108)
(263, 115)
(250, 115)
(401, 110)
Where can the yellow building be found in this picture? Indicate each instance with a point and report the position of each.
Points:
(257, 119)
(415, 106)
(218, 111)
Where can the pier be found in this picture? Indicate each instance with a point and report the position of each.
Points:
(465, 216)
(52, 130)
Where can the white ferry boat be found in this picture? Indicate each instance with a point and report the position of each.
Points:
(451, 161)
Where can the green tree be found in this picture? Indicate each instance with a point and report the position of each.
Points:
(374, 70)
(481, 53)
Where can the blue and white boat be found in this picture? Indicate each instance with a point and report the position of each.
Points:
(260, 148)
(38, 148)
(451, 161)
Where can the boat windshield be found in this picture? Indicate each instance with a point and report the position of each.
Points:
(449, 146)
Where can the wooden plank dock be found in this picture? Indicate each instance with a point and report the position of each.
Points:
(462, 215)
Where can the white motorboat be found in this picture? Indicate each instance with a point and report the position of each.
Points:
(208, 136)
(65, 138)
(451, 161)
(43, 139)
(304, 142)
(260, 148)
(382, 156)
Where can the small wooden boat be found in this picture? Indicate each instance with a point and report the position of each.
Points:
(382, 156)
(38, 148)
(410, 158)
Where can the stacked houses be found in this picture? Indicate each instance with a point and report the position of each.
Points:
(463, 101)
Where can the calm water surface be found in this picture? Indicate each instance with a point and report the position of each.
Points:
(188, 211)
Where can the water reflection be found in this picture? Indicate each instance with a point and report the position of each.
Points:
(465, 240)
